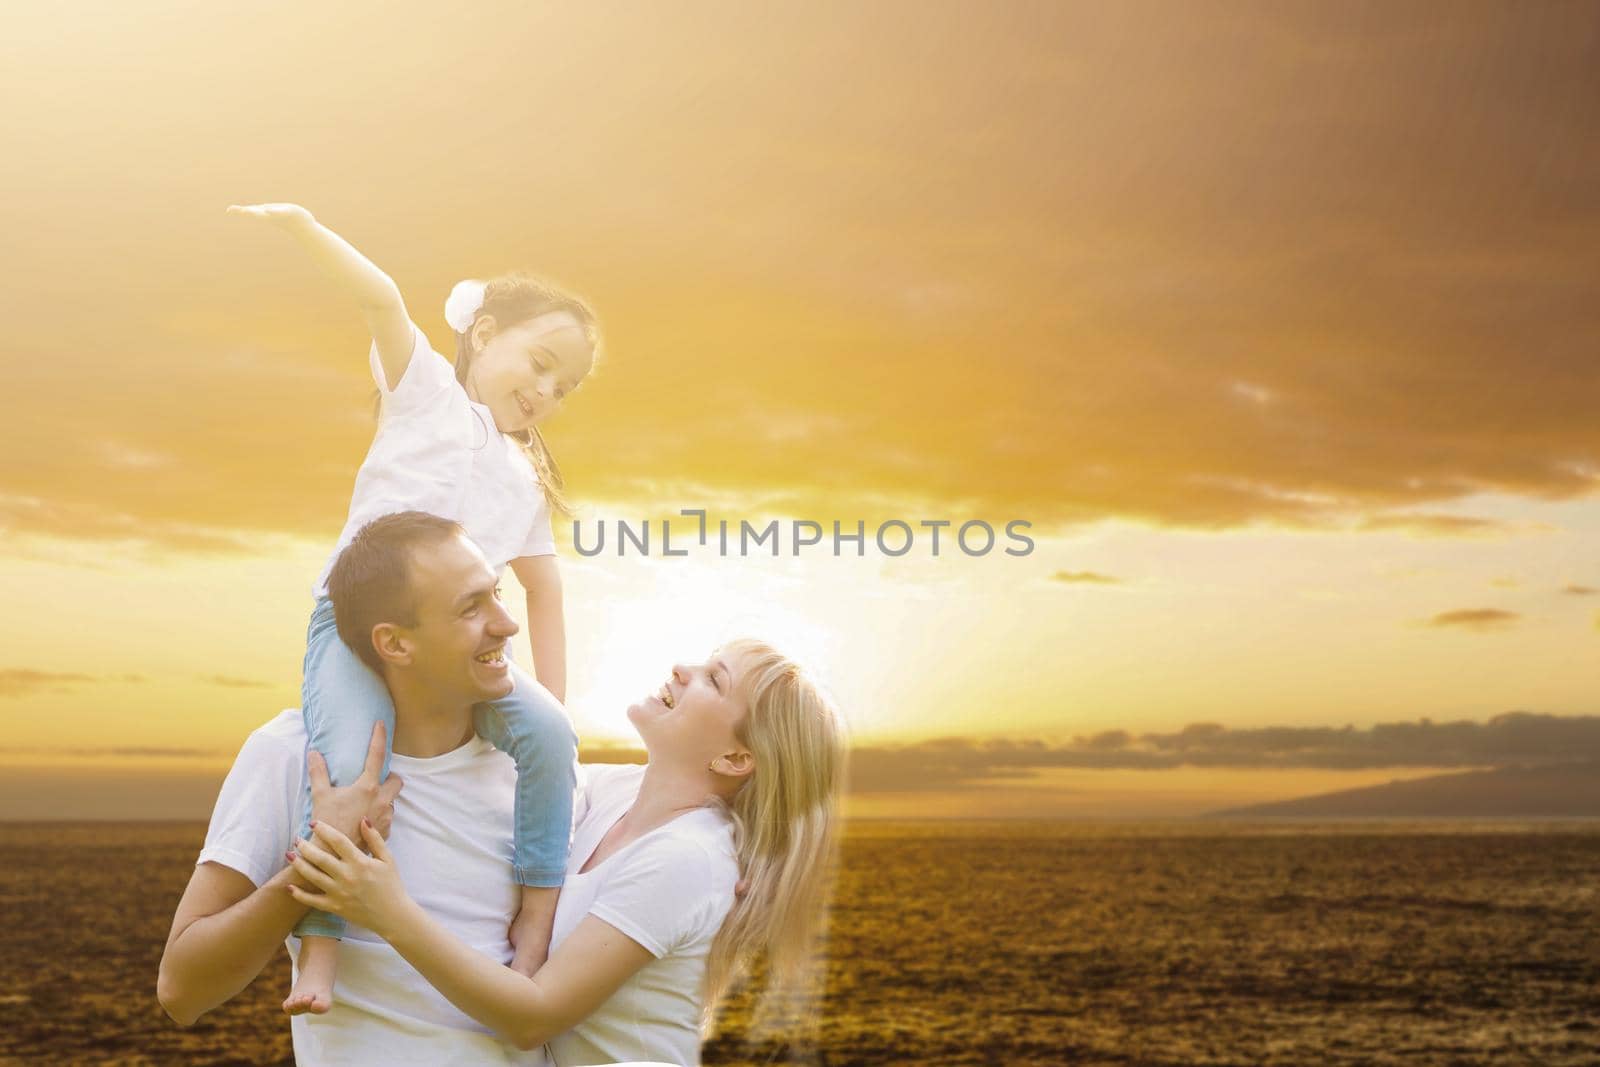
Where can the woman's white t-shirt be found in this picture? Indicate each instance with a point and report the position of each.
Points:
(437, 450)
(669, 891)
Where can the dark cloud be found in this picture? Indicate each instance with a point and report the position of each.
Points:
(1512, 737)
(1581, 590)
(17, 681)
(1055, 283)
(1516, 737)
(1475, 619)
(230, 682)
(1108, 739)
(610, 754)
(1439, 525)
(137, 752)
(21, 681)
(1087, 577)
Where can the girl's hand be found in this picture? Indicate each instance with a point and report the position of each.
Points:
(287, 215)
(364, 889)
(343, 806)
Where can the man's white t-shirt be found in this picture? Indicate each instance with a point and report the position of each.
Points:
(437, 450)
(452, 843)
(669, 891)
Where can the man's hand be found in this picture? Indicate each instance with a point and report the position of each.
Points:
(343, 807)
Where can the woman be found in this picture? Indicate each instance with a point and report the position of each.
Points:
(746, 765)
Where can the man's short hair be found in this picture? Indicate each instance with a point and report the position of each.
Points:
(370, 581)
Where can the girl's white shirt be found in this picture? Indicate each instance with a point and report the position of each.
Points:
(437, 450)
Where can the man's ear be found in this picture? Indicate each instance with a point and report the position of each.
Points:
(736, 764)
(392, 644)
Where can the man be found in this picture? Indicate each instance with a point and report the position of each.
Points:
(451, 832)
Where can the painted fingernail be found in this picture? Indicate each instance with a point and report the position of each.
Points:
(291, 856)
(313, 824)
(365, 821)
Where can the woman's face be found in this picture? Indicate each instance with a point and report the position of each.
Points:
(693, 718)
(523, 372)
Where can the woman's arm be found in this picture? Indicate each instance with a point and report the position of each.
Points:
(374, 291)
(540, 577)
(580, 976)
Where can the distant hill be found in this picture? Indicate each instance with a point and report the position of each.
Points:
(1568, 789)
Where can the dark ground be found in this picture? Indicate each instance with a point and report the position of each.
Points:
(971, 943)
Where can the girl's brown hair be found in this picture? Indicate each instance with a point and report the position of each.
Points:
(512, 299)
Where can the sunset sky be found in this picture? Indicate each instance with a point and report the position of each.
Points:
(1278, 322)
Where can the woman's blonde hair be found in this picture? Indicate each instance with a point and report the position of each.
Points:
(786, 819)
(512, 299)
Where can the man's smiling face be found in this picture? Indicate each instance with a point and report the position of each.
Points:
(459, 643)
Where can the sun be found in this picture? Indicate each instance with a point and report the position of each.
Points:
(629, 620)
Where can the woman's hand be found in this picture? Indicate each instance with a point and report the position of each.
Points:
(286, 215)
(364, 889)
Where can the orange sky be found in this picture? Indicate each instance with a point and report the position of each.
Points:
(1276, 320)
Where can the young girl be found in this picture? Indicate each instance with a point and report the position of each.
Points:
(463, 444)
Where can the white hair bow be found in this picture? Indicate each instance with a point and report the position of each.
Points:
(461, 307)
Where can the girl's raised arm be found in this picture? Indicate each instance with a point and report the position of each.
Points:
(374, 291)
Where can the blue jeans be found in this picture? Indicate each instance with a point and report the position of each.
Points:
(341, 698)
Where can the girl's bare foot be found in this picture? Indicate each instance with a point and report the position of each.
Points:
(313, 990)
(298, 1003)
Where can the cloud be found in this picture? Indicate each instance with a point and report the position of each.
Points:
(1084, 577)
(965, 763)
(60, 517)
(1427, 525)
(1256, 394)
(1516, 737)
(17, 681)
(610, 754)
(1580, 590)
(133, 752)
(1474, 619)
(1108, 740)
(1234, 315)
(588, 754)
(1512, 737)
(123, 456)
(22, 681)
(230, 682)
